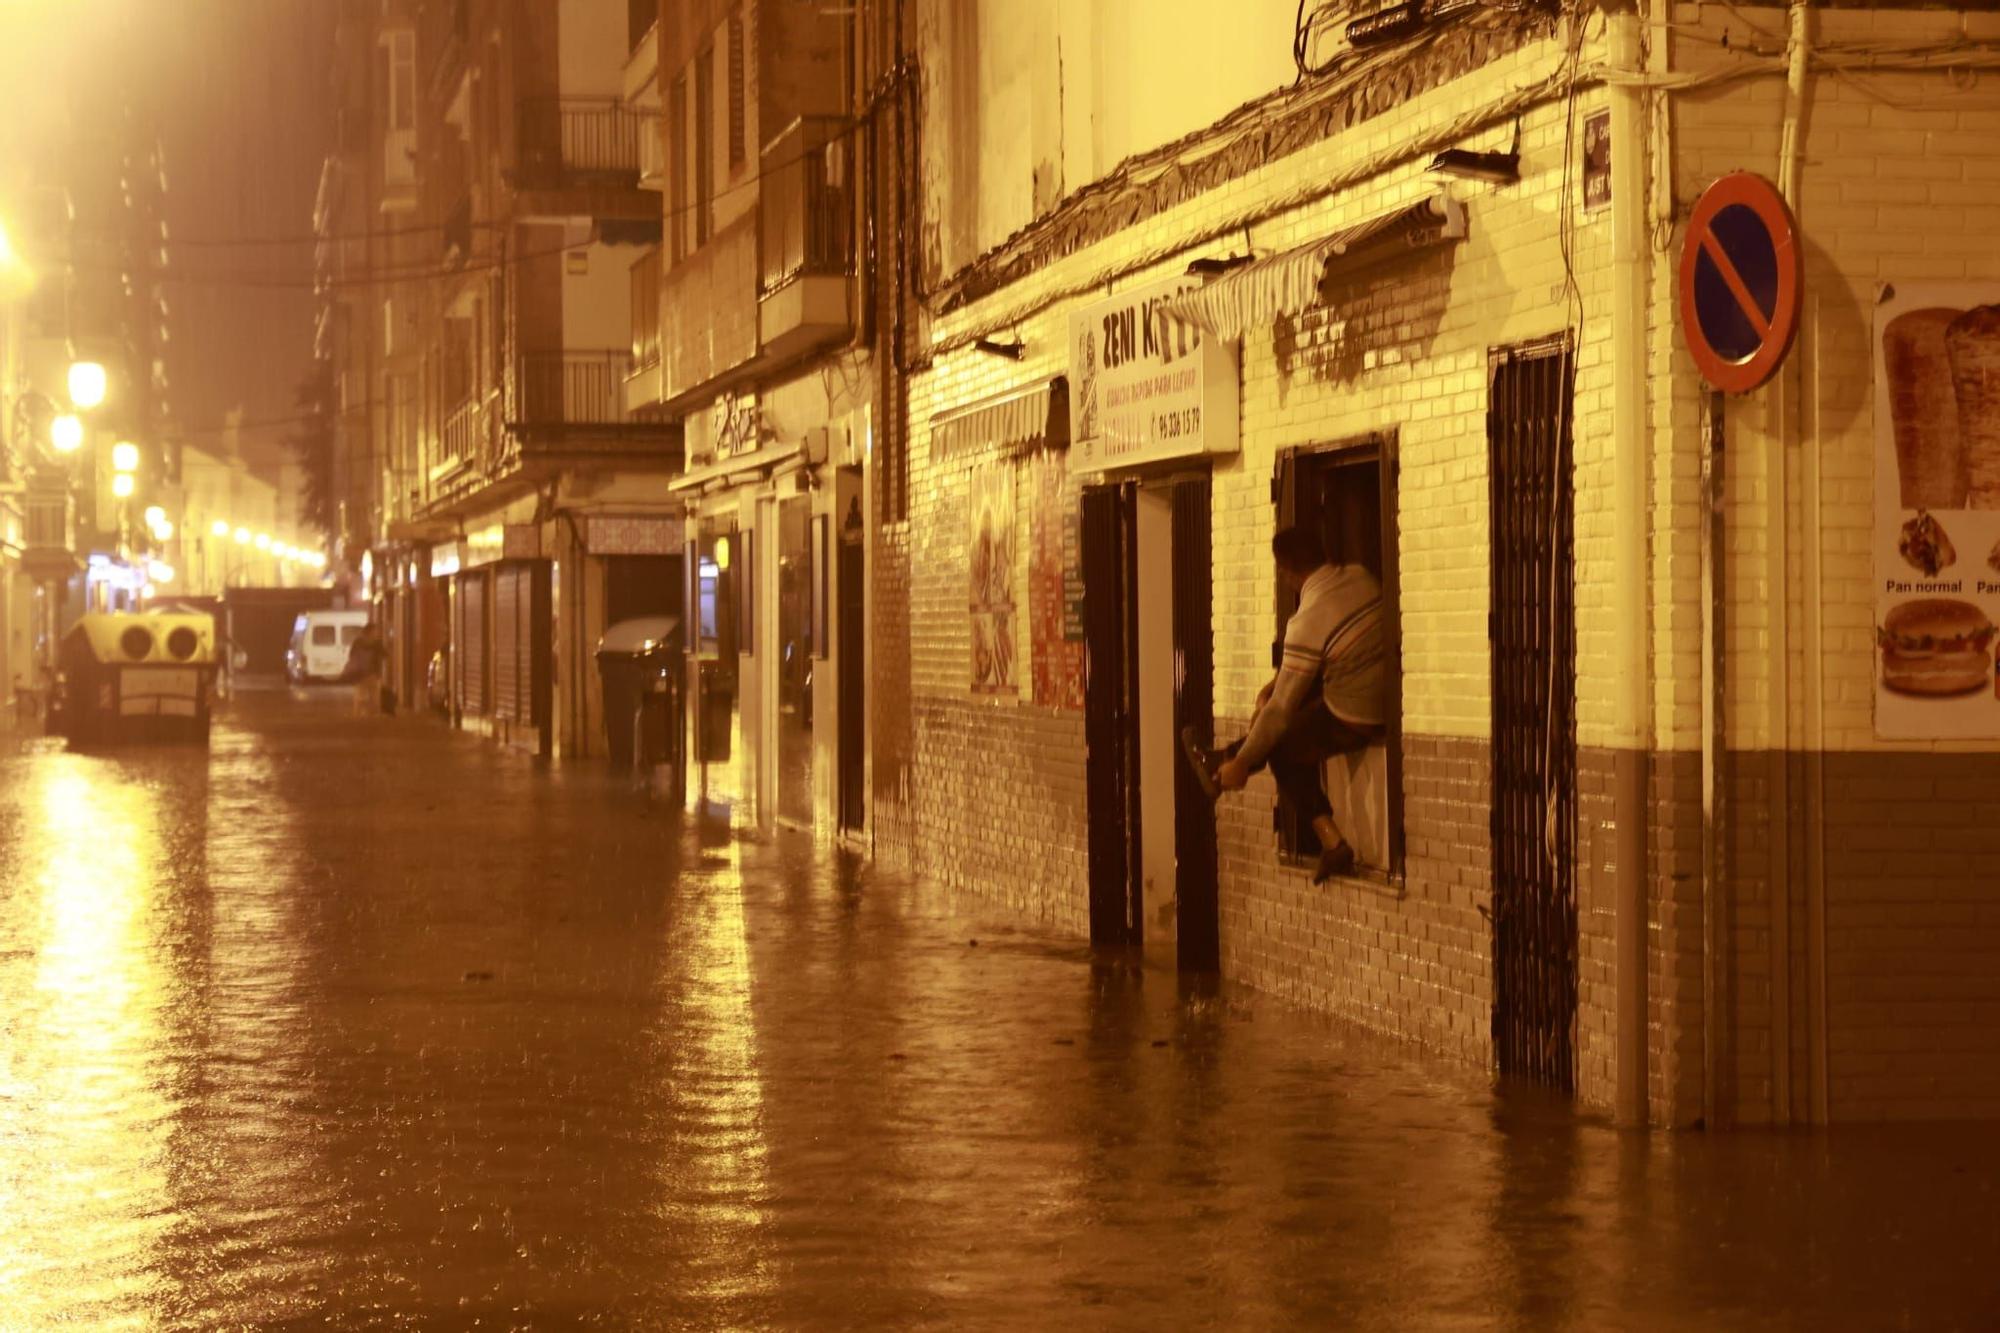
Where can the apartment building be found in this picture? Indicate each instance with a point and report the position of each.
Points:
(749, 332)
(479, 220)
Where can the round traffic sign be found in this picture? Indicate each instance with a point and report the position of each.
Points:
(1739, 280)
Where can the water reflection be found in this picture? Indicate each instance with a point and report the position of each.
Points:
(715, 1188)
(89, 1114)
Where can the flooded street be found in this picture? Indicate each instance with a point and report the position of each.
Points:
(364, 1024)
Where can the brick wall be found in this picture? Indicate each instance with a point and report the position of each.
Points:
(1855, 981)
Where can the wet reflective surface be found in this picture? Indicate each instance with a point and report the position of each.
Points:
(361, 1024)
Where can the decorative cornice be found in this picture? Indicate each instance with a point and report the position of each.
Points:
(1258, 134)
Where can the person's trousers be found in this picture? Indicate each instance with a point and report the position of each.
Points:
(1298, 760)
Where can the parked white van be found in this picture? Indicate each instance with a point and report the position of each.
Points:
(320, 640)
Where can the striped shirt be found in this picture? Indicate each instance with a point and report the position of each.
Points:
(1334, 640)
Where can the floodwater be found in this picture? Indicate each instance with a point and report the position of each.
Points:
(361, 1024)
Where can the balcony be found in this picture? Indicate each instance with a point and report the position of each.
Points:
(567, 407)
(806, 238)
(48, 529)
(579, 157)
(643, 384)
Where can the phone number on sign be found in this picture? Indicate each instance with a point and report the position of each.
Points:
(1174, 425)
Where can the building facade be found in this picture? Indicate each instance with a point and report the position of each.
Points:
(978, 350)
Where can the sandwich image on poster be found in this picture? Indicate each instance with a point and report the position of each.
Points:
(1937, 510)
(1935, 646)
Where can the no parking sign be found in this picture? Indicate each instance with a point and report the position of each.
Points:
(1740, 276)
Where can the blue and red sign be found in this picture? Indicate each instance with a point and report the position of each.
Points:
(1740, 279)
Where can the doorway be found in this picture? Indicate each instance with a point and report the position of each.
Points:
(853, 697)
(718, 562)
(794, 660)
(1533, 633)
(1149, 672)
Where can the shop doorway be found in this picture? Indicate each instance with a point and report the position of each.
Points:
(1149, 671)
(719, 567)
(1533, 633)
(794, 665)
(853, 686)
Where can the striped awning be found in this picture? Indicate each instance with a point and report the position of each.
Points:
(1287, 283)
(1015, 422)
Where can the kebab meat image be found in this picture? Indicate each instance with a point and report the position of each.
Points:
(1972, 344)
(1935, 646)
(1925, 546)
(1924, 409)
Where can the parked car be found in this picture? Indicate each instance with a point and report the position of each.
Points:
(320, 640)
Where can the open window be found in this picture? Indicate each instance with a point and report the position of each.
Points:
(1346, 492)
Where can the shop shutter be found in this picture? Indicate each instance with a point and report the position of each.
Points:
(506, 655)
(474, 601)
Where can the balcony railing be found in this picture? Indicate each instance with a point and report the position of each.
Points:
(570, 388)
(646, 311)
(464, 433)
(807, 203)
(578, 141)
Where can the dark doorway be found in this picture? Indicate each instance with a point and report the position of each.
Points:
(853, 698)
(641, 585)
(795, 659)
(1110, 713)
(1533, 633)
(1198, 924)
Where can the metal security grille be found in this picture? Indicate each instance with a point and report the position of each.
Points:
(1533, 634)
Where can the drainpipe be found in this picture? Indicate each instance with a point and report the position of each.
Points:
(1628, 441)
(1777, 491)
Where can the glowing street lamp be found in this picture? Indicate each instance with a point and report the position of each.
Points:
(159, 572)
(242, 536)
(219, 528)
(66, 433)
(121, 485)
(125, 456)
(87, 384)
(263, 540)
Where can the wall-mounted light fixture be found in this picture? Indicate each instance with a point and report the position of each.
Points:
(1210, 265)
(1500, 168)
(1013, 351)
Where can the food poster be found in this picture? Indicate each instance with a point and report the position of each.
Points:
(1937, 511)
(1053, 575)
(990, 551)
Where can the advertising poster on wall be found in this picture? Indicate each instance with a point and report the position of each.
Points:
(990, 558)
(1937, 511)
(1053, 577)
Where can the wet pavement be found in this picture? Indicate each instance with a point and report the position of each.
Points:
(361, 1024)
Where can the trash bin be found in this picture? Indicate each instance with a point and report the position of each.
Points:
(634, 658)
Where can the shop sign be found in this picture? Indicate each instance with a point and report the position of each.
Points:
(735, 425)
(485, 546)
(1147, 388)
(447, 559)
(634, 534)
(1937, 511)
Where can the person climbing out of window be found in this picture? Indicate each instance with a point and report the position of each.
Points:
(1329, 696)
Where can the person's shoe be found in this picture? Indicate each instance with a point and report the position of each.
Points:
(1335, 860)
(1202, 760)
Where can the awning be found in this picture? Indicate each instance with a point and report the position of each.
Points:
(757, 460)
(1287, 283)
(1016, 421)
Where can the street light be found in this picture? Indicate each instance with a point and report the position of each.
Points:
(66, 433)
(219, 528)
(263, 541)
(242, 536)
(87, 384)
(121, 485)
(125, 457)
